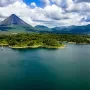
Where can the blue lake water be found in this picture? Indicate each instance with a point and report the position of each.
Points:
(45, 69)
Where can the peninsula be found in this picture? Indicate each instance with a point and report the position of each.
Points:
(35, 40)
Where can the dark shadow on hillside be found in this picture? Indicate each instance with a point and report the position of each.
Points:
(5, 28)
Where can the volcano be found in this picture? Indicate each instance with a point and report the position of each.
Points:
(13, 20)
(14, 24)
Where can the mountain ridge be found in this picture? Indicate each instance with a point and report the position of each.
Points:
(14, 24)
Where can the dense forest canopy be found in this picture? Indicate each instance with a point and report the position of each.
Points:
(44, 40)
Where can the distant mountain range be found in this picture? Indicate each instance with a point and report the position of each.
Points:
(85, 29)
(14, 24)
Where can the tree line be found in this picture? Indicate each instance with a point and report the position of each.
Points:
(31, 39)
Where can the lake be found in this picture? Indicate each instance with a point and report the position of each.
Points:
(45, 69)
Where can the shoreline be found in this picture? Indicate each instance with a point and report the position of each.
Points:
(41, 46)
(77, 43)
(36, 46)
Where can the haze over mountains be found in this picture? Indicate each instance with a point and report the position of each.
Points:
(14, 24)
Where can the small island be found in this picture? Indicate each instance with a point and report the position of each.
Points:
(35, 40)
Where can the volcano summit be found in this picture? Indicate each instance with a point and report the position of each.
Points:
(13, 20)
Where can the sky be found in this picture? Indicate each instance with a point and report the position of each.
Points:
(51, 13)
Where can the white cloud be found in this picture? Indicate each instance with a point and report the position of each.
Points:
(45, 2)
(7, 2)
(79, 7)
(33, 4)
(62, 3)
(54, 12)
